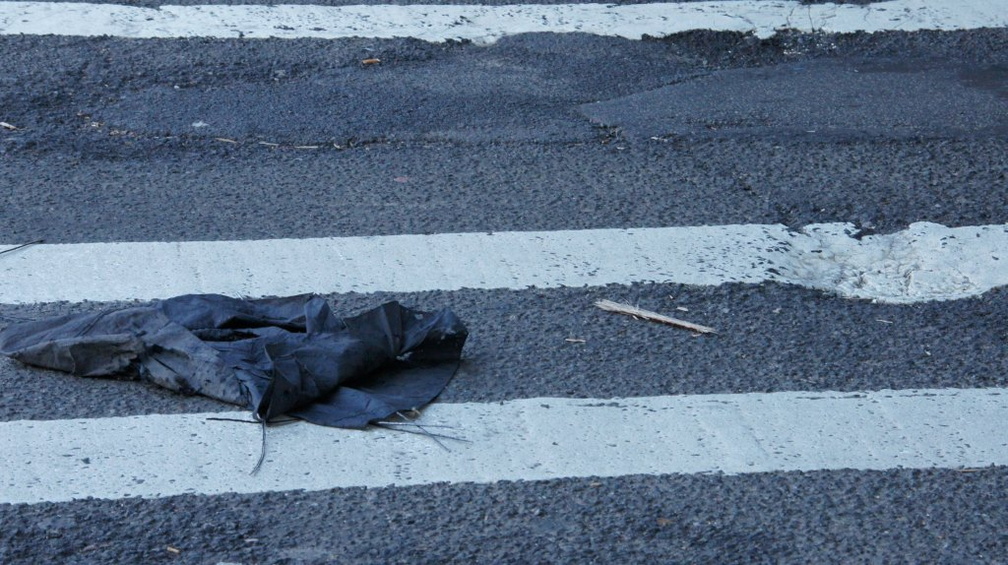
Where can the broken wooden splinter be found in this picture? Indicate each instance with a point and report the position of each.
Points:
(610, 306)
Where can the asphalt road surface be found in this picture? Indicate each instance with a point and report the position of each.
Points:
(117, 139)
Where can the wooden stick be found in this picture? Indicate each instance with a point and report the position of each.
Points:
(610, 306)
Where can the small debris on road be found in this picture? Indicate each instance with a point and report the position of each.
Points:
(574, 340)
(371, 61)
(610, 306)
(399, 357)
(7, 126)
(190, 343)
(174, 550)
(22, 246)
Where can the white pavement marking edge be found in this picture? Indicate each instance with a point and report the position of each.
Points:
(924, 262)
(530, 439)
(485, 24)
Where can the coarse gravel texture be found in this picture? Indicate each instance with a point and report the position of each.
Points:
(899, 516)
(263, 193)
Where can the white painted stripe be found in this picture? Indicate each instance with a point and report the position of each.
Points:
(925, 262)
(531, 439)
(488, 23)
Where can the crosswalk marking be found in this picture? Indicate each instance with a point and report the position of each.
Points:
(924, 262)
(158, 455)
(486, 24)
(528, 439)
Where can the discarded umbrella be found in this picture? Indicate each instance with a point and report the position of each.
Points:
(280, 356)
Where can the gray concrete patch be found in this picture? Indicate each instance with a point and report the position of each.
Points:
(820, 100)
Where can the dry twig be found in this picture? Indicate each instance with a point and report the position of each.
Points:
(610, 306)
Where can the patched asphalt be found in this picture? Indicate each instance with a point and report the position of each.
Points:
(222, 139)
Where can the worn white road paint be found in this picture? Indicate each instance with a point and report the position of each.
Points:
(530, 439)
(925, 262)
(486, 24)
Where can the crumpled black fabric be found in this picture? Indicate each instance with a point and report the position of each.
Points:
(278, 356)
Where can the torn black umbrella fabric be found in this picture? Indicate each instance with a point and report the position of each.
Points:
(281, 356)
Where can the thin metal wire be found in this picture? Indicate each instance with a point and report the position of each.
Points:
(263, 423)
(423, 431)
(22, 246)
(262, 450)
(411, 423)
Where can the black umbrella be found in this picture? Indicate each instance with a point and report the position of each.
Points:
(277, 356)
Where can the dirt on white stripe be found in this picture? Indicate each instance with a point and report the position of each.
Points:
(485, 24)
(924, 262)
(530, 439)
